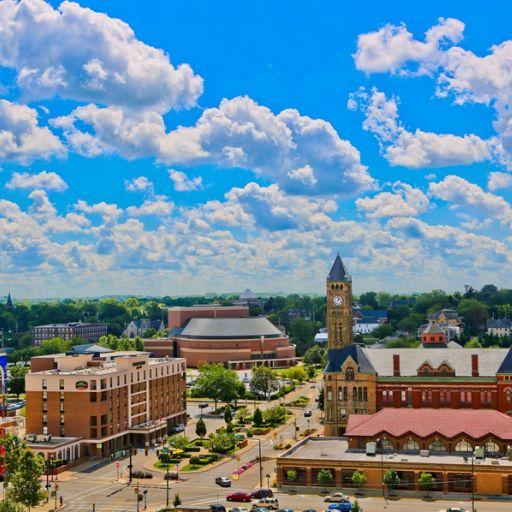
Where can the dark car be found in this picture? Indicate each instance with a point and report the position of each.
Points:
(223, 481)
(239, 496)
(262, 493)
(309, 510)
(342, 506)
(285, 510)
(217, 508)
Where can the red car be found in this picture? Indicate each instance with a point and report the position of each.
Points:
(239, 496)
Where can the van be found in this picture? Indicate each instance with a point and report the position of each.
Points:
(371, 449)
(270, 503)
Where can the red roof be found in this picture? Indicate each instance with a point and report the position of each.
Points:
(426, 422)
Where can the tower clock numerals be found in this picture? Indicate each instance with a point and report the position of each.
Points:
(337, 300)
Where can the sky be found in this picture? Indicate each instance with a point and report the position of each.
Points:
(174, 148)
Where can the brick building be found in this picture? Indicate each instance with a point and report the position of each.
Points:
(361, 380)
(214, 333)
(85, 331)
(104, 404)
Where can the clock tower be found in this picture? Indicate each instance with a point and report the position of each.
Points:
(339, 306)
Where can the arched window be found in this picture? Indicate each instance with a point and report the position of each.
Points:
(345, 393)
(349, 374)
(354, 394)
(365, 395)
(387, 445)
(464, 446)
(410, 446)
(359, 394)
(437, 446)
(508, 395)
(340, 393)
(492, 447)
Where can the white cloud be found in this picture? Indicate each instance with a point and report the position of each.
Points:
(159, 206)
(42, 180)
(140, 184)
(109, 212)
(418, 149)
(460, 193)
(77, 53)
(22, 140)
(392, 47)
(301, 154)
(184, 184)
(499, 180)
(403, 201)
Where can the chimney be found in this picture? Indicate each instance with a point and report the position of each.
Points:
(474, 365)
(396, 365)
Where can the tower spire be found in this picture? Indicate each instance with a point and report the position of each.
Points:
(338, 271)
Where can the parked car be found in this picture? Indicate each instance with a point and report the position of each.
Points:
(308, 414)
(243, 496)
(260, 509)
(336, 497)
(223, 481)
(262, 493)
(180, 427)
(341, 506)
(239, 509)
(309, 510)
(285, 510)
(217, 508)
(454, 509)
(270, 503)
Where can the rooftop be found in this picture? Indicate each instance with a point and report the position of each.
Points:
(214, 328)
(335, 450)
(338, 271)
(426, 422)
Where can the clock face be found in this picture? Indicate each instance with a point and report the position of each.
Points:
(337, 300)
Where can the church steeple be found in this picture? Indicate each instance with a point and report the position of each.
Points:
(338, 271)
(9, 304)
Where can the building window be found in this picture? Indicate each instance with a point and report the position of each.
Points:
(345, 393)
(340, 393)
(93, 421)
(464, 446)
(45, 395)
(45, 406)
(329, 393)
(61, 383)
(45, 430)
(359, 394)
(349, 374)
(62, 419)
(437, 446)
(45, 419)
(365, 394)
(492, 448)
(403, 395)
(386, 445)
(329, 414)
(354, 394)
(92, 385)
(61, 408)
(508, 395)
(44, 384)
(410, 446)
(61, 396)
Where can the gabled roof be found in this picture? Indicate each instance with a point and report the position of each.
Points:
(433, 328)
(338, 271)
(499, 323)
(91, 348)
(426, 422)
(506, 364)
(337, 356)
(450, 314)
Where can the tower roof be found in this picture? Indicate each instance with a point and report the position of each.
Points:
(338, 271)
(9, 303)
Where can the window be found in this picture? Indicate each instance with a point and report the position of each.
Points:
(464, 446)
(62, 419)
(437, 446)
(45, 395)
(44, 384)
(45, 419)
(45, 406)
(492, 447)
(61, 383)
(345, 393)
(61, 408)
(61, 396)
(340, 393)
(410, 446)
(349, 374)
(329, 393)
(354, 394)
(386, 445)
(329, 414)
(93, 397)
(93, 421)
(508, 395)
(365, 394)
(92, 385)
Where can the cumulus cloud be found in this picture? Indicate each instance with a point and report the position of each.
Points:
(499, 180)
(77, 53)
(418, 149)
(182, 183)
(392, 47)
(460, 193)
(301, 154)
(42, 180)
(107, 211)
(159, 206)
(140, 184)
(22, 140)
(403, 201)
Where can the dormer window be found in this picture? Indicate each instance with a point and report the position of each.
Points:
(349, 374)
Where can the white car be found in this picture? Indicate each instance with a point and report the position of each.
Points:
(336, 497)
(180, 427)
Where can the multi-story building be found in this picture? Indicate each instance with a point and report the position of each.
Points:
(85, 331)
(361, 380)
(107, 403)
(499, 327)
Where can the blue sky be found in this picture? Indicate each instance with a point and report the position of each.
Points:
(187, 147)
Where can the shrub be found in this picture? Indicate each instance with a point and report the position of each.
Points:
(142, 474)
(325, 476)
(249, 434)
(257, 417)
(358, 478)
(193, 449)
(292, 475)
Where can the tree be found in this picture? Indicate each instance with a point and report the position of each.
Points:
(426, 481)
(176, 501)
(325, 477)
(55, 346)
(382, 331)
(302, 334)
(222, 442)
(291, 475)
(25, 482)
(358, 479)
(369, 299)
(314, 355)
(391, 479)
(228, 414)
(356, 507)
(296, 372)
(179, 441)
(474, 313)
(473, 343)
(275, 415)
(16, 381)
(257, 417)
(217, 383)
(311, 371)
(14, 448)
(321, 399)
(11, 506)
(263, 381)
(200, 428)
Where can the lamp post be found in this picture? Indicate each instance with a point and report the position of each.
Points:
(167, 486)
(137, 496)
(261, 467)
(56, 490)
(381, 448)
(267, 476)
(145, 492)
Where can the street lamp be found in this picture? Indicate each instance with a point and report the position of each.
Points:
(267, 476)
(145, 492)
(261, 467)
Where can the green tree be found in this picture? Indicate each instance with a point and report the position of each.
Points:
(217, 383)
(369, 299)
(314, 355)
(302, 334)
(292, 475)
(55, 346)
(356, 507)
(200, 428)
(382, 331)
(391, 479)
(222, 442)
(358, 479)
(25, 484)
(325, 477)
(257, 417)
(16, 381)
(310, 371)
(296, 372)
(228, 414)
(263, 381)
(179, 441)
(11, 506)
(473, 343)
(275, 415)
(14, 449)
(474, 313)
(426, 481)
(176, 501)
